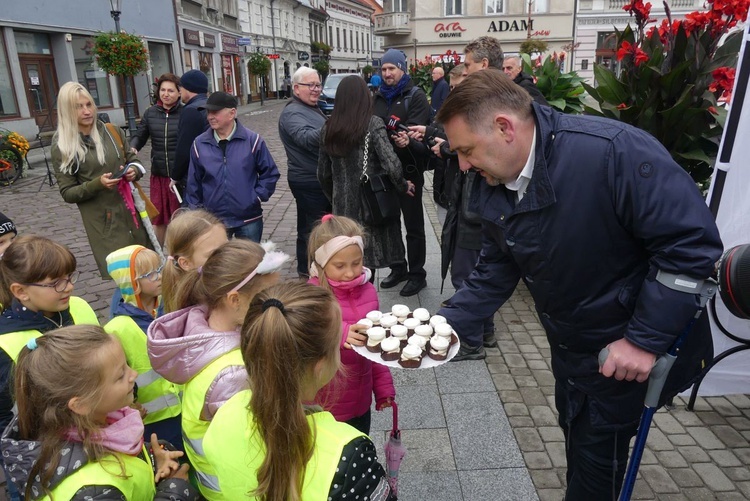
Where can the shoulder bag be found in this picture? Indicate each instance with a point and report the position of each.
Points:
(380, 203)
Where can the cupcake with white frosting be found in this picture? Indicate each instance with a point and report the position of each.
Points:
(436, 320)
(400, 332)
(438, 348)
(375, 335)
(400, 311)
(411, 357)
(390, 349)
(446, 331)
(422, 315)
(411, 324)
(424, 331)
(387, 321)
(418, 341)
(374, 317)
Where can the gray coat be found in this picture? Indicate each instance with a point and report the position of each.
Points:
(339, 178)
(299, 129)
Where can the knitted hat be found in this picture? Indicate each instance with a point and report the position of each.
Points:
(195, 81)
(394, 57)
(6, 225)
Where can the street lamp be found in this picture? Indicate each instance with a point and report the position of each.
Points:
(129, 114)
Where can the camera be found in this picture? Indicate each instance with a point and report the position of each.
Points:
(733, 274)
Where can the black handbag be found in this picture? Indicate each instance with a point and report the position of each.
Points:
(380, 204)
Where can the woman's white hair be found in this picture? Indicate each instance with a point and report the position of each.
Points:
(302, 72)
(69, 141)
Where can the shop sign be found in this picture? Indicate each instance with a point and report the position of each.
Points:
(449, 30)
(209, 40)
(514, 25)
(315, 58)
(192, 37)
(273, 56)
(229, 43)
(302, 55)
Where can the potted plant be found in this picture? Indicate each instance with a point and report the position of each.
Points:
(13, 149)
(120, 53)
(563, 91)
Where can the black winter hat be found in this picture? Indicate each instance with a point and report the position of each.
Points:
(195, 81)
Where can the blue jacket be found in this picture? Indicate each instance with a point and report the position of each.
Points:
(605, 209)
(193, 122)
(231, 184)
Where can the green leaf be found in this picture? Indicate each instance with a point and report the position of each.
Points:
(696, 154)
(557, 103)
(609, 87)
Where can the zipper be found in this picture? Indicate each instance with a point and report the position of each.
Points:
(166, 149)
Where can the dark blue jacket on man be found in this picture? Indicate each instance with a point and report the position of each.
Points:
(606, 208)
(193, 122)
(440, 91)
(231, 183)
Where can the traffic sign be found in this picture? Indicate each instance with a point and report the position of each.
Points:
(315, 58)
(302, 55)
(245, 41)
(273, 56)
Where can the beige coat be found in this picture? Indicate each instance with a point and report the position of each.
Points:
(108, 222)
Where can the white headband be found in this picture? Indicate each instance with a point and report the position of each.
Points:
(329, 249)
(271, 262)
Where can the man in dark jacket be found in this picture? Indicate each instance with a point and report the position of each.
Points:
(231, 170)
(193, 122)
(603, 227)
(512, 68)
(299, 128)
(440, 89)
(399, 98)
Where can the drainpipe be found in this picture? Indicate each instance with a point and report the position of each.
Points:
(273, 41)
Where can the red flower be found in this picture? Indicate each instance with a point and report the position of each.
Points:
(723, 82)
(640, 56)
(625, 49)
(622, 106)
(639, 10)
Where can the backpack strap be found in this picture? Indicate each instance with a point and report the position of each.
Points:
(112, 128)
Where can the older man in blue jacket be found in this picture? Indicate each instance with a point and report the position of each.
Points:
(231, 170)
(600, 223)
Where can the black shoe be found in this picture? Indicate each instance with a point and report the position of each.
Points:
(393, 280)
(489, 340)
(466, 352)
(412, 287)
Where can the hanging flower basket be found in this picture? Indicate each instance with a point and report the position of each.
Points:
(120, 53)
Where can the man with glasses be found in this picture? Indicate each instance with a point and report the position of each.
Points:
(231, 170)
(299, 128)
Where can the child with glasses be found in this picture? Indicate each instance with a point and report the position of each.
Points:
(37, 277)
(137, 272)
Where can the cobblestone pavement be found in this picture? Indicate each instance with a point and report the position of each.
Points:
(701, 455)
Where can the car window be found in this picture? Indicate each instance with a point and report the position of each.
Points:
(332, 83)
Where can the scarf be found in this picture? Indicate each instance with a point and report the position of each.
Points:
(390, 92)
(123, 433)
(352, 284)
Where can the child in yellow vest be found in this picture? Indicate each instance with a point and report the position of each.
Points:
(191, 237)
(137, 272)
(198, 345)
(266, 442)
(76, 436)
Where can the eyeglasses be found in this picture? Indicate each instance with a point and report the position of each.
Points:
(60, 284)
(312, 86)
(152, 275)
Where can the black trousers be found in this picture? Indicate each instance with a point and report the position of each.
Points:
(597, 459)
(463, 263)
(312, 204)
(416, 244)
(362, 423)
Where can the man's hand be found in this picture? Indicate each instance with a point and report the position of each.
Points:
(436, 148)
(401, 140)
(628, 362)
(416, 132)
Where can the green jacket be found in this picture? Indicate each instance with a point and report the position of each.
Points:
(108, 222)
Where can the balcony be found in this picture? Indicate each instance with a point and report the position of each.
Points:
(673, 4)
(393, 23)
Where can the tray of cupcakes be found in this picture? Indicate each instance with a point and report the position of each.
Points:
(408, 340)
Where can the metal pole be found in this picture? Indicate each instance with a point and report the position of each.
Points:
(129, 115)
(273, 41)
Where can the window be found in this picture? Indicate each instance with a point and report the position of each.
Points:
(453, 8)
(368, 42)
(338, 38)
(346, 47)
(351, 40)
(330, 35)
(161, 60)
(8, 105)
(494, 6)
(88, 73)
(541, 6)
(186, 55)
(400, 6)
(357, 38)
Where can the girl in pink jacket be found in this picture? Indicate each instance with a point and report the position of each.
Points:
(336, 253)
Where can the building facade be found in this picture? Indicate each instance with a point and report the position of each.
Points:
(596, 21)
(46, 43)
(430, 28)
(349, 34)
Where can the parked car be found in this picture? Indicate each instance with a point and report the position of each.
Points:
(328, 94)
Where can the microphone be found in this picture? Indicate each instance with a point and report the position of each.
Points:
(394, 124)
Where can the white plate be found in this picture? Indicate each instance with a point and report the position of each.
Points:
(427, 362)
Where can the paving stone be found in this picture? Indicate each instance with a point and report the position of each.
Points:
(739, 401)
(743, 454)
(705, 437)
(658, 441)
(498, 368)
(533, 396)
(680, 440)
(551, 494)
(551, 434)
(508, 484)
(729, 436)
(513, 409)
(413, 378)
(648, 457)
(713, 477)
(542, 415)
(710, 418)
(686, 417)
(738, 474)
(521, 421)
(536, 461)
(510, 396)
(424, 410)
(744, 487)
(545, 479)
(671, 459)
(556, 451)
(517, 372)
(724, 459)
(668, 424)
(432, 485)
(723, 406)
(642, 491)
(528, 439)
(481, 436)
(427, 450)
(685, 477)
(469, 376)
(699, 494)
(525, 381)
(740, 423)
(504, 382)
(658, 479)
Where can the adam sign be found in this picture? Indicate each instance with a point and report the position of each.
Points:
(449, 30)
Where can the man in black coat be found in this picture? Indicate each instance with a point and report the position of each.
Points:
(398, 97)
(193, 122)
(440, 89)
(512, 68)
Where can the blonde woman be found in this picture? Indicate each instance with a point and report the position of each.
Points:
(87, 158)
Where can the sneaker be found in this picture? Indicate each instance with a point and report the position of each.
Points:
(489, 340)
(412, 287)
(392, 280)
(466, 352)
